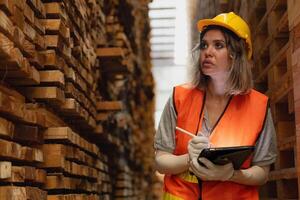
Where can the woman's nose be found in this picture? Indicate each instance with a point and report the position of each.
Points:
(208, 51)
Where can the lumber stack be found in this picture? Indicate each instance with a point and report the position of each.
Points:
(21, 154)
(49, 55)
(75, 82)
(73, 164)
(273, 72)
(275, 28)
(126, 77)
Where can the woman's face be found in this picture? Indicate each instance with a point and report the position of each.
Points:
(214, 55)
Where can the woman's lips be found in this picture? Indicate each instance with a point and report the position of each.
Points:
(207, 63)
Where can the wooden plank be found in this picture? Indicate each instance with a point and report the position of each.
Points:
(38, 26)
(6, 46)
(38, 7)
(54, 158)
(27, 134)
(21, 193)
(17, 78)
(17, 175)
(61, 133)
(110, 52)
(51, 94)
(71, 75)
(55, 10)
(52, 60)
(58, 155)
(66, 135)
(109, 105)
(61, 182)
(15, 61)
(7, 6)
(6, 25)
(12, 192)
(29, 14)
(55, 42)
(71, 107)
(52, 78)
(18, 18)
(10, 150)
(103, 116)
(29, 32)
(72, 92)
(73, 196)
(40, 176)
(56, 26)
(47, 118)
(31, 154)
(6, 128)
(39, 42)
(293, 13)
(5, 169)
(15, 110)
(37, 60)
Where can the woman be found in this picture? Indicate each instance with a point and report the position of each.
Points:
(222, 109)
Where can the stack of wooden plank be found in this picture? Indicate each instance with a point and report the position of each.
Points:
(273, 76)
(21, 154)
(57, 88)
(72, 164)
(106, 180)
(106, 111)
(124, 184)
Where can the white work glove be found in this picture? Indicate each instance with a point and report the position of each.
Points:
(211, 172)
(196, 145)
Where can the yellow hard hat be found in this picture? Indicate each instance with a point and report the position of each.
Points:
(232, 22)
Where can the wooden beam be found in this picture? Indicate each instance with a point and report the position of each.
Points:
(109, 105)
(52, 77)
(52, 94)
(7, 6)
(5, 169)
(6, 128)
(27, 134)
(110, 52)
(6, 25)
(56, 26)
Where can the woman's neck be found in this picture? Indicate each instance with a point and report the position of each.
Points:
(217, 89)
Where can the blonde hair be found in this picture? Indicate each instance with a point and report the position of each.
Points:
(240, 76)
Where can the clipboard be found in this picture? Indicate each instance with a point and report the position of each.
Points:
(223, 155)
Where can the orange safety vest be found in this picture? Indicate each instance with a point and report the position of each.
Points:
(240, 124)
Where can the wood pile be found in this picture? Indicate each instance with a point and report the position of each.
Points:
(275, 35)
(75, 81)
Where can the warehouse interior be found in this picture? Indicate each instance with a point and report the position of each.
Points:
(84, 82)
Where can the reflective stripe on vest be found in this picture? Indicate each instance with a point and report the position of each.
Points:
(240, 124)
(188, 177)
(169, 196)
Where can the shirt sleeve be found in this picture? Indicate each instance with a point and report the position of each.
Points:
(164, 139)
(266, 147)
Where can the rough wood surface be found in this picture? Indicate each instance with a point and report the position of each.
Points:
(5, 170)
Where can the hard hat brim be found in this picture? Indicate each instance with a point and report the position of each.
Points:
(206, 22)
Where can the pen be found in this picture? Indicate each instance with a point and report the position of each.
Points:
(185, 131)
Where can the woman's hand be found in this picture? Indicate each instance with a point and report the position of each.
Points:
(196, 145)
(211, 172)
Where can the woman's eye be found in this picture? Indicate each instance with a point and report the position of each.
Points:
(219, 45)
(203, 46)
